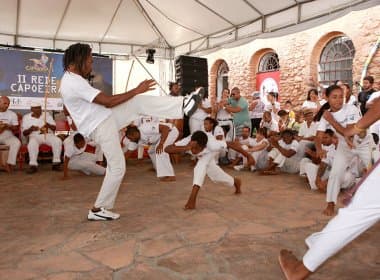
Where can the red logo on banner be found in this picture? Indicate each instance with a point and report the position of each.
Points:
(267, 82)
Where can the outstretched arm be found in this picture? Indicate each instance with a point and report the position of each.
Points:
(114, 100)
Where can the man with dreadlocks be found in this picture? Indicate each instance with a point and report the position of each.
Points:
(100, 117)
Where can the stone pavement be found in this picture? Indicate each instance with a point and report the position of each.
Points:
(44, 233)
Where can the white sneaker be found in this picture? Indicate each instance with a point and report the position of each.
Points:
(239, 167)
(102, 215)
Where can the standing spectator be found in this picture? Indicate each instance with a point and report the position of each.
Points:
(223, 117)
(238, 106)
(366, 93)
(273, 106)
(312, 101)
(349, 97)
(8, 127)
(174, 89)
(202, 112)
(256, 111)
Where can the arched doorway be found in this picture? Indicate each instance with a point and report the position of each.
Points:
(335, 62)
(266, 66)
(221, 79)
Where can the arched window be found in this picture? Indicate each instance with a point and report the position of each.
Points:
(269, 63)
(222, 79)
(336, 61)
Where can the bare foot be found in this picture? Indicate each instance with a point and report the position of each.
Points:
(167, 179)
(8, 168)
(237, 184)
(330, 209)
(292, 268)
(189, 206)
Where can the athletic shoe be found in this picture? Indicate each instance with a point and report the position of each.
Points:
(191, 102)
(239, 167)
(102, 215)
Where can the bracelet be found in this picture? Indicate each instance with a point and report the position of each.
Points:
(358, 129)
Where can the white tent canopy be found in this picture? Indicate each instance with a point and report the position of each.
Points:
(128, 27)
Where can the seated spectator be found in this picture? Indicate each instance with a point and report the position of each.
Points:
(270, 124)
(285, 121)
(273, 106)
(283, 154)
(40, 132)
(8, 128)
(307, 132)
(289, 108)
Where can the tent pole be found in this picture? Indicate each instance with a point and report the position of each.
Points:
(129, 75)
(138, 60)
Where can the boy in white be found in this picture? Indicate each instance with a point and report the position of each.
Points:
(257, 148)
(8, 126)
(307, 132)
(283, 154)
(270, 124)
(100, 117)
(317, 174)
(157, 135)
(34, 127)
(272, 106)
(77, 159)
(200, 146)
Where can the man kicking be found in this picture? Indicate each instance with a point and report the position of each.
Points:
(362, 213)
(200, 146)
(101, 116)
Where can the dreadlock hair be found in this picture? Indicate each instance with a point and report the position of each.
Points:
(325, 106)
(76, 55)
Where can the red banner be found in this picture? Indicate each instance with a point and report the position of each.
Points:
(267, 82)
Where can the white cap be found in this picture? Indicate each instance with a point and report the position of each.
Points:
(35, 104)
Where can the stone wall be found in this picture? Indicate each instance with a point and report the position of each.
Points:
(299, 54)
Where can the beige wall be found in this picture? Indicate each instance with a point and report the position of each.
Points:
(299, 55)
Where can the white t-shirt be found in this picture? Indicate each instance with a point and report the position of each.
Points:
(29, 121)
(269, 107)
(373, 97)
(218, 131)
(78, 96)
(367, 141)
(70, 148)
(247, 141)
(271, 126)
(199, 114)
(306, 131)
(149, 132)
(311, 105)
(9, 117)
(352, 100)
(349, 114)
(292, 146)
(264, 140)
(223, 115)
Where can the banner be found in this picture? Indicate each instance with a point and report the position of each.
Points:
(267, 82)
(24, 77)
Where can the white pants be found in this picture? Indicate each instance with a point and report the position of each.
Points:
(288, 165)
(49, 139)
(165, 107)
(14, 144)
(362, 213)
(161, 162)
(86, 163)
(195, 125)
(206, 166)
(343, 157)
(107, 136)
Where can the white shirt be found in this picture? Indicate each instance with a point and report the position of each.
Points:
(223, 115)
(9, 117)
(78, 96)
(349, 114)
(306, 131)
(199, 114)
(258, 111)
(247, 141)
(292, 146)
(352, 100)
(311, 105)
(149, 132)
(29, 121)
(213, 145)
(218, 131)
(70, 148)
(264, 140)
(269, 108)
(272, 126)
(367, 141)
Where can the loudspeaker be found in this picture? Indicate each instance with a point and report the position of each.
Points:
(191, 72)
